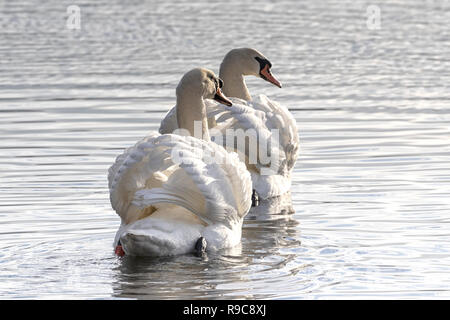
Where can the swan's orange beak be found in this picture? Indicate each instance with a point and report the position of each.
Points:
(220, 97)
(267, 75)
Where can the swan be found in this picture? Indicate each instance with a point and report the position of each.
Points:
(260, 114)
(172, 196)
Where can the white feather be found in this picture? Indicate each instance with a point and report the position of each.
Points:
(166, 204)
(261, 115)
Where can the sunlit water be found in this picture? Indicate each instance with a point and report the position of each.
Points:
(371, 189)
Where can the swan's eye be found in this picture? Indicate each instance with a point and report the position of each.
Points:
(218, 83)
(263, 63)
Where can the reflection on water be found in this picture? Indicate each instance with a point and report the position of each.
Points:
(226, 274)
(368, 213)
(269, 208)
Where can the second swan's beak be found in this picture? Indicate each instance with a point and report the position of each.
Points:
(220, 97)
(267, 75)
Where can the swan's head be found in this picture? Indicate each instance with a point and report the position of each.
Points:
(203, 82)
(248, 62)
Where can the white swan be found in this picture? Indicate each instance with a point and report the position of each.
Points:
(260, 114)
(169, 197)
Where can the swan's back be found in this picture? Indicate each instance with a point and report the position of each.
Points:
(152, 172)
(261, 116)
(278, 117)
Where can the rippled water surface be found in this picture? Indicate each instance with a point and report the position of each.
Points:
(371, 189)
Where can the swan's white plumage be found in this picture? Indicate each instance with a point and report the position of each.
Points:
(166, 204)
(261, 115)
(279, 117)
(169, 123)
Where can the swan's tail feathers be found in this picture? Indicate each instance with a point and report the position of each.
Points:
(173, 169)
(147, 197)
(179, 190)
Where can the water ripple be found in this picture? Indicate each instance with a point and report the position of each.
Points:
(367, 216)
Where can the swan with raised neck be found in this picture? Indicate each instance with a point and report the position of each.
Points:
(242, 62)
(195, 86)
(170, 207)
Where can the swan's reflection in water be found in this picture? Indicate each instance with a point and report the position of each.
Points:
(230, 273)
(273, 207)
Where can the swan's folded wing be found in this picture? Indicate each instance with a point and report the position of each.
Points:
(173, 169)
(280, 118)
(220, 177)
(142, 166)
(242, 115)
(229, 190)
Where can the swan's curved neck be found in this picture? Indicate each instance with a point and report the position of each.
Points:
(191, 115)
(233, 81)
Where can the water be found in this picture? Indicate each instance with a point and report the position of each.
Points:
(371, 189)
